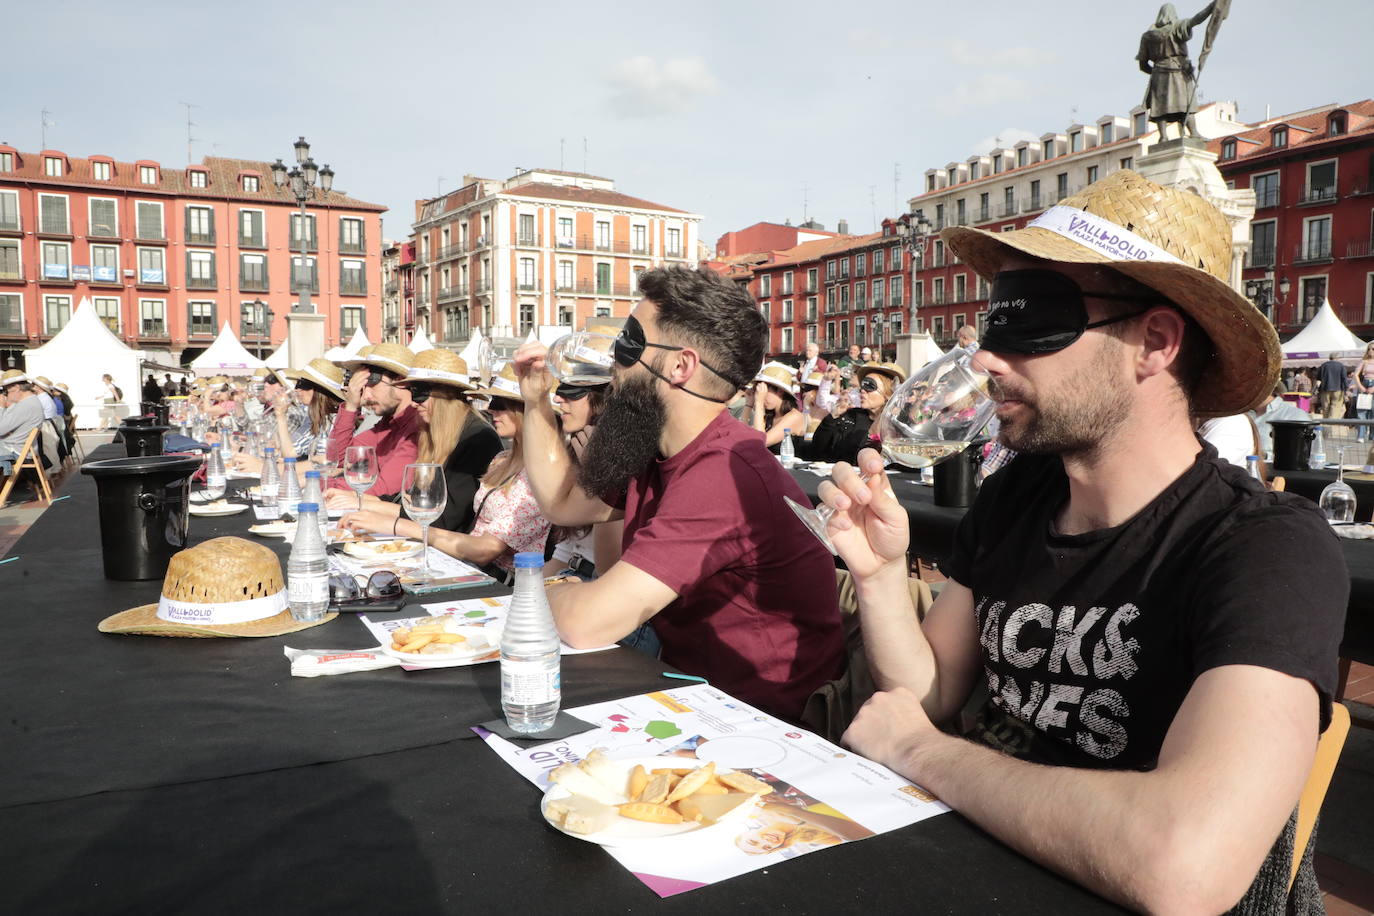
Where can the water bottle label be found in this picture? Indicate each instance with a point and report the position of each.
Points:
(530, 683)
(310, 588)
(214, 480)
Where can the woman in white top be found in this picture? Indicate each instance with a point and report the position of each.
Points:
(1364, 384)
(775, 406)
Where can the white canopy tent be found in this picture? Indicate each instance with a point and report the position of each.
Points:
(924, 349)
(357, 342)
(1325, 334)
(278, 358)
(78, 356)
(226, 356)
(469, 352)
(420, 341)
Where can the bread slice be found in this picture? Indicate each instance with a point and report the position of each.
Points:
(579, 814)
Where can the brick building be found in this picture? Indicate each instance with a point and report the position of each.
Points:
(771, 237)
(544, 247)
(1312, 236)
(167, 255)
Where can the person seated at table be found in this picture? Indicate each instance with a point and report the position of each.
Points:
(507, 518)
(810, 406)
(848, 429)
(304, 416)
(1276, 408)
(1160, 660)
(451, 434)
(20, 412)
(737, 591)
(775, 406)
(395, 435)
(590, 547)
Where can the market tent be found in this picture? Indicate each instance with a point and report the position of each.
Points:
(1325, 334)
(469, 352)
(420, 341)
(278, 358)
(226, 356)
(78, 356)
(924, 349)
(357, 342)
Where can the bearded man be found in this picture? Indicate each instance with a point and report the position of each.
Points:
(737, 590)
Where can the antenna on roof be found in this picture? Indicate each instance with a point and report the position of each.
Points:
(873, 204)
(43, 128)
(806, 216)
(189, 124)
(896, 194)
(561, 143)
(584, 155)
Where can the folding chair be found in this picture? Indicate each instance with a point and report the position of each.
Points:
(1318, 781)
(77, 447)
(30, 458)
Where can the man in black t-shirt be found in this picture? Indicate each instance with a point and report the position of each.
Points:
(1159, 660)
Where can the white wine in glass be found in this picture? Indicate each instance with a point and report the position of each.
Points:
(424, 493)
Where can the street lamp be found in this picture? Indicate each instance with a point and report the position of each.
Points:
(262, 315)
(301, 181)
(915, 230)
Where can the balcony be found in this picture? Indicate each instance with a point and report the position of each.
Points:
(151, 328)
(1008, 210)
(421, 299)
(201, 283)
(1260, 257)
(1316, 194)
(524, 240)
(481, 242)
(352, 247)
(391, 288)
(450, 293)
(251, 241)
(1269, 197)
(1360, 248)
(528, 286)
(1316, 251)
(482, 287)
(451, 251)
(983, 215)
(1032, 205)
(860, 270)
(811, 286)
(353, 288)
(1361, 186)
(253, 284)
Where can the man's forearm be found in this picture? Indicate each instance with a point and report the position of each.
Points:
(898, 652)
(548, 465)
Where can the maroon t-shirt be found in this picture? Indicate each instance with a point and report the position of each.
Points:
(757, 613)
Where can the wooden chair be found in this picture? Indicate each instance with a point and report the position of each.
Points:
(30, 458)
(1318, 781)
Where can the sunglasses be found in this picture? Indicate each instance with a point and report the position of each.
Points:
(498, 404)
(869, 384)
(421, 393)
(1043, 311)
(381, 584)
(376, 377)
(631, 343)
(575, 392)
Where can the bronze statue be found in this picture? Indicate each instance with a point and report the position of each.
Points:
(1164, 56)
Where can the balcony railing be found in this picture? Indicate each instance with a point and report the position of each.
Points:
(528, 286)
(1032, 205)
(1360, 248)
(201, 283)
(251, 240)
(1007, 211)
(449, 293)
(351, 247)
(149, 328)
(525, 240)
(451, 251)
(391, 287)
(1260, 257)
(482, 286)
(200, 238)
(1318, 194)
(1314, 251)
(421, 299)
(983, 215)
(1361, 186)
(1266, 198)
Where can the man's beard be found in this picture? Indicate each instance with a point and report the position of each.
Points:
(1089, 405)
(625, 438)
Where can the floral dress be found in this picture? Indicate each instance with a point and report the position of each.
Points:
(510, 514)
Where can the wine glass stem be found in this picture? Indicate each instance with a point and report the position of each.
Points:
(424, 554)
(824, 512)
(359, 494)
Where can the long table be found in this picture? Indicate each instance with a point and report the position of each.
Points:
(933, 528)
(144, 774)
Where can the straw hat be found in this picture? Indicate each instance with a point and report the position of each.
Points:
(811, 381)
(439, 367)
(44, 381)
(389, 356)
(356, 360)
(897, 373)
(601, 326)
(321, 372)
(779, 375)
(222, 587)
(12, 377)
(503, 385)
(1172, 241)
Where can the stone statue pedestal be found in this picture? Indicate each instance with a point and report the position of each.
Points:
(914, 350)
(1186, 163)
(304, 338)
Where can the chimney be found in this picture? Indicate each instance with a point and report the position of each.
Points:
(842, 227)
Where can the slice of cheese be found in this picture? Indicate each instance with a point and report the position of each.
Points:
(707, 809)
(579, 782)
(579, 814)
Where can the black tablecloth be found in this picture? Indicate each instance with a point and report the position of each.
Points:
(144, 774)
(1311, 484)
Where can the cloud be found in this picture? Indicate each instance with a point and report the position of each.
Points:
(988, 89)
(644, 87)
(1005, 138)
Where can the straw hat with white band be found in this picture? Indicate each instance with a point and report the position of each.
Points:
(779, 375)
(389, 356)
(1168, 239)
(811, 381)
(319, 372)
(896, 372)
(438, 366)
(13, 377)
(503, 385)
(356, 360)
(222, 587)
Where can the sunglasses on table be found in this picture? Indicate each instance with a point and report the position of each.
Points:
(348, 592)
(1043, 311)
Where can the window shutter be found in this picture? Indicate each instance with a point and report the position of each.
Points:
(54, 218)
(103, 218)
(9, 210)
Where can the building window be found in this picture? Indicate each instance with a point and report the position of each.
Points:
(253, 273)
(1061, 186)
(765, 286)
(674, 243)
(105, 263)
(11, 313)
(351, 318)
(200, 270)
(565, 232)
(199, 179)
(1262, 237)
(879, 262)
(1076, 141)
(57, 311)
(1047, 149)
(1022, 156)
(1312, 296)
(603, 236)
(526, 317)
(148, 220)
(107, 309)
(147, 174)
(877, 292)
(6, 162)
(972, 175)
(639, 239)
(10, 268)
(895, 291)
(200, 226)
(57, 260)
(1107, 132)
(201, 319)
(1142, 124)
(1127, 162)
(250, 184)
(565, 276)
(786, 340)
(1279, 137)
(52, 215)
(1321, 182)
(603, 311)
(787, 310)
(253, 320)
(100, 171)
(1316, 242)
(937, 291)
(304, 271)
(151, 266)
(1228, 148)
(961, 288)
(937, 327)
(152, 318)
(526, 279)
(351, 240)
(52, 166)
(603, 279)
(308, 232)
(1092, 174)
(861, 295)
(352, 277)
(895, 259)
(9, 210)
(251, 233)
(1266, 188)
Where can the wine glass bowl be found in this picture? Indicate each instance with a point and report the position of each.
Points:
(360, 469)
(424, 493)
(1337, 500)
(582, 358)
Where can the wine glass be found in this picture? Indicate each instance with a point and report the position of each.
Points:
(1337, 501)
(486, 358)
(931, 416)
(360, 469)
(424, 491)
(582, 358)
(319, 457)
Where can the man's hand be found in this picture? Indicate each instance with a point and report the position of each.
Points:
(531, 368)
(353, 394)
(889, 727)
(870, 529)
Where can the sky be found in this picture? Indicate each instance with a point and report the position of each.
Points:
(739, 112)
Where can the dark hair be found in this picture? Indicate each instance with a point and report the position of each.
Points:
(789, 404)
(701, 309)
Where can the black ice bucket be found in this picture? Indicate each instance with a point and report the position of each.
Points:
(143, 512)
(956, 478)
(142, 436)
(1292, 444)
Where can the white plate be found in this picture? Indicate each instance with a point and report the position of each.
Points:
(213, 510)
(625, 831)
(383, 550)
(273, 529)
(480, 642)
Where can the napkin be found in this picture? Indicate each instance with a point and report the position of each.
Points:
(565, 726)
(1354, 532)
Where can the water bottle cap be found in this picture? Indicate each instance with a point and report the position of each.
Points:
(269, 448)
(312, 473)
(289, 460)
(308, 507)
(530, 559)
(1252, 457)
(787, 430)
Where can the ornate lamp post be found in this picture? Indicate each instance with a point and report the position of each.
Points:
(1261, 292)
(262, 321)
(915, 230)
(302, 181)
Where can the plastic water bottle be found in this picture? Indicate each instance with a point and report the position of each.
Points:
(268, 483)
(289, 492)
(226, 441)
(313, 493)
(786, 451)
(214, 475)
(1252, 467)
(307, 569)
(531, 685)
(1317, 459)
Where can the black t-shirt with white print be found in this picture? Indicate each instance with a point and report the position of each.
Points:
(1091, 642)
